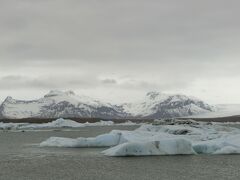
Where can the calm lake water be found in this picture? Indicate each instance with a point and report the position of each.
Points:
(22, 159)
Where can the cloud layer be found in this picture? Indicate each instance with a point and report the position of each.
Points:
(114, 49)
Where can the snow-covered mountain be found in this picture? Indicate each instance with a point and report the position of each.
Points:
(58, 104)
(159, 105)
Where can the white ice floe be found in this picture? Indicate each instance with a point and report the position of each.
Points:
(100, 123)
(228, 123)
(59, 123)
(169, 138)
(104, 140)
(8, 126)
(128, 123)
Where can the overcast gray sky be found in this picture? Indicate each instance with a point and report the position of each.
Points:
(119, 50)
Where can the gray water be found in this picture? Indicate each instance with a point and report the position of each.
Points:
(21, 158)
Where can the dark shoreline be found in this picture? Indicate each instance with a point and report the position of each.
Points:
(80, 120)
(136, 120)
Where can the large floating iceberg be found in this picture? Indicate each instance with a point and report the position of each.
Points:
(166, 137)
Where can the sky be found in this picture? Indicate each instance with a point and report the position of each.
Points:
(118, 51)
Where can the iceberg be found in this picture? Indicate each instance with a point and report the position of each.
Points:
(104, 140)
(162, 147)
(175, 138)
(59, 123)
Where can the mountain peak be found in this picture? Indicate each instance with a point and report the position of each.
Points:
(9, 99)
(70, 92)
(53, 93)
(153, 94)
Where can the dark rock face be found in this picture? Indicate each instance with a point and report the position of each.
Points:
(1, 110)
(65, 109)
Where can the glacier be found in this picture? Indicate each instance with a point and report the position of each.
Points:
(163, 137)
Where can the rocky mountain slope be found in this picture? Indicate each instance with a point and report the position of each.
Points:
(58, 104)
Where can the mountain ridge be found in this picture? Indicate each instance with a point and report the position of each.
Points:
(56, 104)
